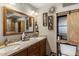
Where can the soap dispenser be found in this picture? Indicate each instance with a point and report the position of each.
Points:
(23, 36)
(36, 27)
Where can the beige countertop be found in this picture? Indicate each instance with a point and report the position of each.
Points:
(68, 41)
(17, 46)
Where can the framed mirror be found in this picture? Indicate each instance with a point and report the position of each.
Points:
(15, 22)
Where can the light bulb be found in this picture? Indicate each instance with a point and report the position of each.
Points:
(32, 12)
(36, 13)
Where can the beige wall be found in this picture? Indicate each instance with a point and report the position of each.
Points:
(60, 8)
(51, 34)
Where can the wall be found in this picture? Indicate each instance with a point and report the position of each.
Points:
(60, 7)
(51, 35)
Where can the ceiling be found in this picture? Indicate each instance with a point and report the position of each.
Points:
(41, 5)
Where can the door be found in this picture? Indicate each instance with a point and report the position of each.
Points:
(73, 26)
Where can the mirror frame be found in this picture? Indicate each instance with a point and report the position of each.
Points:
(5, 22)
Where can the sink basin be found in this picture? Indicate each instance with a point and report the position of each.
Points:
(9, 48)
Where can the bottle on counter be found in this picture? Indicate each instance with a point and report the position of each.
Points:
(58, 38)
(36, 27)
(23, 36)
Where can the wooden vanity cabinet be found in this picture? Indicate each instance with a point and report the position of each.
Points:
(33, 50)
(42, 47)
(21, 53)
(37, 49)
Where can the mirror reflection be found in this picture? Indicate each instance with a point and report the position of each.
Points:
(17, 22)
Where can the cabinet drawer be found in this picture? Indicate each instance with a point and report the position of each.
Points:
(33, 48)
(43, 42)
(42, 51)
(34, 53)
(43, 47)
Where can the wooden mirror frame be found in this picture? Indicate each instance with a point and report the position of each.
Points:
(4, 21)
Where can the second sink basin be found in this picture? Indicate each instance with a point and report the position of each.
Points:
(9, 48)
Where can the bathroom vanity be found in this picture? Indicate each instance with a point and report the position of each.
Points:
(33, 47)
(37, 49)
(16, 22)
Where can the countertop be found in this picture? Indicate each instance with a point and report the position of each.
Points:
(17, 46)
(68, 41)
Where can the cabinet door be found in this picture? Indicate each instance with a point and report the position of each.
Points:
(33, 50)
(73, 26)
(43, 47)
(21, 53)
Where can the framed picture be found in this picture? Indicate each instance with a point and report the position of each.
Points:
(50, 22)
(45, 18)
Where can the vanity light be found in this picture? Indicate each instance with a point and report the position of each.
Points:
(33, 12)
(36, 13)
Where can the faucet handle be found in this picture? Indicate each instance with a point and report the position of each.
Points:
(6, 41)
